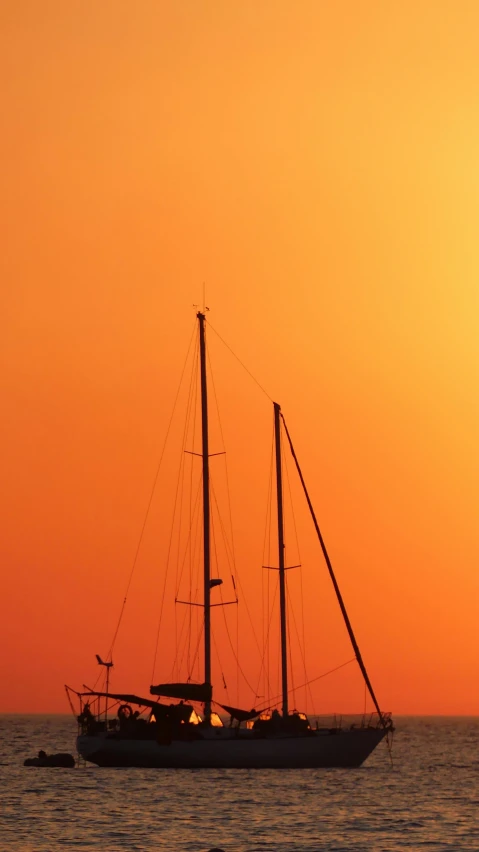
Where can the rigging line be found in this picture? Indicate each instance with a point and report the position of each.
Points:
(194, 521)
(313, 680)
(267, 561)
(278, 662)
(263, 610)
(195, 408)
(181, 666)
(240, 362)
(195, 656)
(272, 548)
(228, 491)
(304, 631)
(233, 652)
(181, 475)
(262, 667)
(191, 498)
(291, 503)
(249, 616)
(215, 504)
(100, 674)
(109, 655)
(237, 655)
(267, 526)
(172, 528)
(221, 669)
(213, 536)
(187, 618)
(301, 649)
(178, 512)
(267, 665)
(335, 584)
(172, 676)
(180, 491)
(299, 560)
(196, 557)
(238, 579)
(176, 660)
(70, 701)
(214, 553)
(231, 544)
(290, 652)
(229, 554)
(180, 660)
(181, 478)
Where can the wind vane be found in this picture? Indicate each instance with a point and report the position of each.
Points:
(204, 308)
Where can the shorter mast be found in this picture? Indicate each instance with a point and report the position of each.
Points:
(339, 596)
(282, 578)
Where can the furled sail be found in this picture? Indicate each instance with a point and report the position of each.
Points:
(184, 691)
(126, 697)
(176, 712)
(241, 715)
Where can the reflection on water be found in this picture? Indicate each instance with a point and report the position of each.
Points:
(428, 800)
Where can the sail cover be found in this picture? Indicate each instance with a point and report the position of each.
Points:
(241, 715)
(171, 712)
(127, 698)
(184, 691)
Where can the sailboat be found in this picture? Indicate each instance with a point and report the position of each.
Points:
(180, 735)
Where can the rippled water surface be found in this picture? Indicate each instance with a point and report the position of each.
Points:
(429, 799)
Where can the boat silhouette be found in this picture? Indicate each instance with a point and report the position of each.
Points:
(180, 735)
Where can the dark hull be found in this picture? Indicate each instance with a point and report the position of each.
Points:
(347, 749)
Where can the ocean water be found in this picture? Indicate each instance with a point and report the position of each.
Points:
(428, 799)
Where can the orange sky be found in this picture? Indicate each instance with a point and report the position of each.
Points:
(316, 164)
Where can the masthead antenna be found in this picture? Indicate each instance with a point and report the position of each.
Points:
(205, 308)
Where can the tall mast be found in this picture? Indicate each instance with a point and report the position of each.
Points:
(206, 511)
(282, 579)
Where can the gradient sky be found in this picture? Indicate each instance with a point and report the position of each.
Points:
(316, 164)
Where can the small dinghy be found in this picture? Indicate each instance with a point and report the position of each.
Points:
(67, 761)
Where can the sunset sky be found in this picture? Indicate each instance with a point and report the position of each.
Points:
(316, 164)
